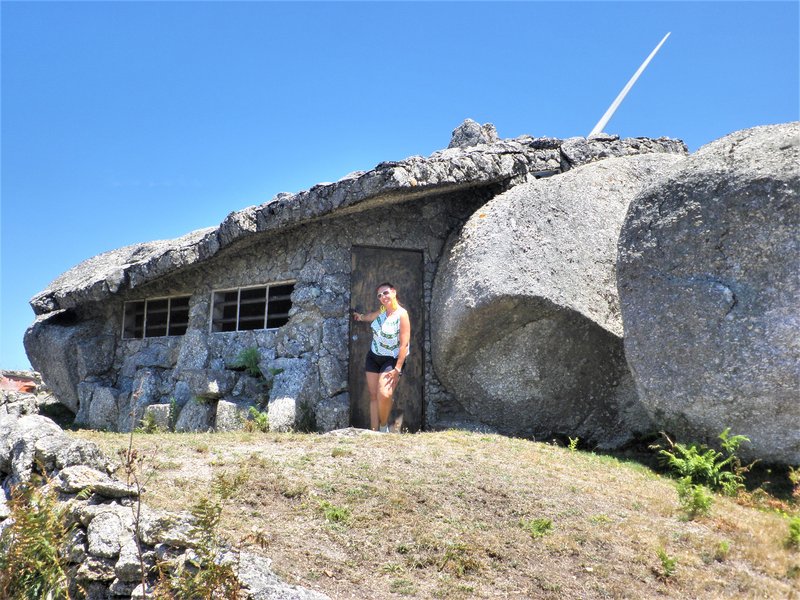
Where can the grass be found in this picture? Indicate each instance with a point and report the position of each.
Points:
(462, 515)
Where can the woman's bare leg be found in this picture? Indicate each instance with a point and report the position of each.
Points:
(372, 385)
(385, 393)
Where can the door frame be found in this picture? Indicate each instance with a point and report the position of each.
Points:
(422, 319)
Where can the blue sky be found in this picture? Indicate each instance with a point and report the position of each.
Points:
(126, 122)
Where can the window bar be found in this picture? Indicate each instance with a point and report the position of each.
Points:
(266, 305)
(144, 320)
(238, 307)
(169, 308)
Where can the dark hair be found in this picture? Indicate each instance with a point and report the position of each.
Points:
(384, 284)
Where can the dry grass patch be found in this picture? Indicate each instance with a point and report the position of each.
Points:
(463, 515)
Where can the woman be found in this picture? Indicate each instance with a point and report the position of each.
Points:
(391, 333)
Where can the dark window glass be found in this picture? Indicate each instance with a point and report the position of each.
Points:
(178, 315)
(252, 308)
(225, 310)
(156, 318)
(252, 304)
(280, 301)
(133, 321)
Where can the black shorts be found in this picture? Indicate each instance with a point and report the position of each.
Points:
(376, 363)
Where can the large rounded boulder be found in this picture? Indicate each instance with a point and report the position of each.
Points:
(709, 283)
(525, 324)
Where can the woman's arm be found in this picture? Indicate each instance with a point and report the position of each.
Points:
(405, 339)
(369, 317)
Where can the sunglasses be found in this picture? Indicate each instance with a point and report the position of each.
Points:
(383, 293)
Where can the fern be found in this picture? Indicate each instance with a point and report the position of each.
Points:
(208, 576)
(247, 360)
(259, 419)
(706, 466)
(31, 566)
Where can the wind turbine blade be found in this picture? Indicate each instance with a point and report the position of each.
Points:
(614, 105)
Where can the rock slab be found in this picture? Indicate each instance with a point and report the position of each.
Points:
(710, 289)
(526, 330)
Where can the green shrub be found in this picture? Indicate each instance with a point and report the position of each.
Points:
(537, 527)
(722, 551)
(793, 540)
(148, 424)
(208, 576)
(173, 413)
(694, 499)
(721, 471)
(247, 360)
(259, 421)
(31, 567)
(668, 564)
(334, 514)
(794, 477)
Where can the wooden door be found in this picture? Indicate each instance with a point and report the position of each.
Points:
(404, 269)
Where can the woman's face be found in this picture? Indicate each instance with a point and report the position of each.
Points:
(386, 295)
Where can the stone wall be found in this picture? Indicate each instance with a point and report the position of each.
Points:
(108, 544)
(191, 370)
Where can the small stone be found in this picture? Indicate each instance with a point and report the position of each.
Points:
(471, 133)
(160, 416)
(333, 413)
(95, 568)
(79, 477)
(105, 533)
(122, 588)
(195, 416)
(74, 549)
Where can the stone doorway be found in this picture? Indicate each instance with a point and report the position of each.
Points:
(371, 266)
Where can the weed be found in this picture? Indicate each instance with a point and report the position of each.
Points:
(259, 421)
(404, 587)
(291, 491)
(537, 527)
(149, 424)
(694, 499)
(201, 447)
(173, 413)
(793, 539)
(703, 465)
(339, 515)
(600, 519)
(393, 568)
(336, 452)
(459, 559)
(208, 575)
(226, 486)
(573, 444)
(722, 551)
(668, 564)
(247, 360)
(31, 566)
(794, 477)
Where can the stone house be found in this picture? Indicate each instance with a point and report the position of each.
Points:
(159, 324)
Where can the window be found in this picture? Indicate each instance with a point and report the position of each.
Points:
(156, 317)
(264, 307)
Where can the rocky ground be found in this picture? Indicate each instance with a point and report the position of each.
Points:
(454, 514)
